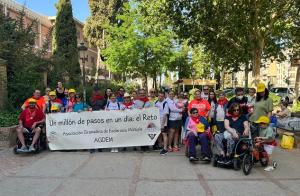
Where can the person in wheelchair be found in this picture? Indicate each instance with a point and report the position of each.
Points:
(266, 140)
(30, 120)
(198, 131)
(236, 125)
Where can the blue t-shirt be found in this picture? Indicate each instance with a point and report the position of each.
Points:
(238, 124)
(79, 107)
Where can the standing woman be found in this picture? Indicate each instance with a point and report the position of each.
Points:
(212, 100)
(107, 94)
(175, 122)
(60, 91)
(263, 105)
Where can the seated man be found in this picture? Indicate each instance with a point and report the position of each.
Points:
(198, 129)
(31, 119)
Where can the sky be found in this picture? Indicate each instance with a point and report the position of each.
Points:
(47, 7)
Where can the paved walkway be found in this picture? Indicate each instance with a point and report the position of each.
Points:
(137, 174)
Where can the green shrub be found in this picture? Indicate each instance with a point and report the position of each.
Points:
(8, 119)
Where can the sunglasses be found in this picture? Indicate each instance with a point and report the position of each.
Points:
(195, 113)
(236, 110)
(206, 89)
(78, 97)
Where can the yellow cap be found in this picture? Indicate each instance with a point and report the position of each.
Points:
(52, 93)
(54, 108)
(126, 95)
(263, 119)
(72, 90)
(200, 128)
(261, 87)
(31, 100)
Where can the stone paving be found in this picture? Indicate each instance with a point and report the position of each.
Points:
(137, 174)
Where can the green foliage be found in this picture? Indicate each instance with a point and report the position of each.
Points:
(276, 99)
(66, 66)
(8, 118)
(136, 50)
(17, 42)
(234, 32)
(296, 107)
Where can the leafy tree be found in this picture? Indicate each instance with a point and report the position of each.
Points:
(103, 13)
(234, 32)
(135, 49)
(17, 42)
(66, 65)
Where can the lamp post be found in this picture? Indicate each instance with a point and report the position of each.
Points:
(193, 76)
(82, 49)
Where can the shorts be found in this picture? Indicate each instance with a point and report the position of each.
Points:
(165, 130)
(175, 124)
(268, 148)
(29, 130)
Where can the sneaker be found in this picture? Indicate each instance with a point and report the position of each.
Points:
(269, 168)
(163, 152)
(274, 164)
(22, 149)
(206, 159)
(31, 149)
(112, 150)
(176, 149)
(116, 150)
(221, 160)
(192, 159)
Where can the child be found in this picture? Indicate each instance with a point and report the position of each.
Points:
(266, 139)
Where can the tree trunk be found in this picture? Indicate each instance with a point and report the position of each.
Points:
(297, 83)
(146, 83)
(246, 75)
(160, 81)
(99, 62)
(223, 79)
(256, 61)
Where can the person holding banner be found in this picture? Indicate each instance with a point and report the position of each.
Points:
(142, 101)
(79, 105)
(112, 104)
(127, 104)
(162, 105)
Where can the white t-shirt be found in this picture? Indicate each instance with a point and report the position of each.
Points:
(220, 113)
(204, 96)
(175, 113)
(112, 105)
(140, 104)
(163, 110)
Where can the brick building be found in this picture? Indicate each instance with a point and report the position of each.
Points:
(44, 27)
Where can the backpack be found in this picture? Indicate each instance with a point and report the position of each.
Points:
(119, 107)
(164, 104)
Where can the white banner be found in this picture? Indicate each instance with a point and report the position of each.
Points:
(103, 129)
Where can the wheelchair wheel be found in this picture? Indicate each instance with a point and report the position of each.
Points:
(247, 164)
(236, 163)
(263, 162)
(15, 150)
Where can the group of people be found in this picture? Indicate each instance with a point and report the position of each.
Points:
(205, 118)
